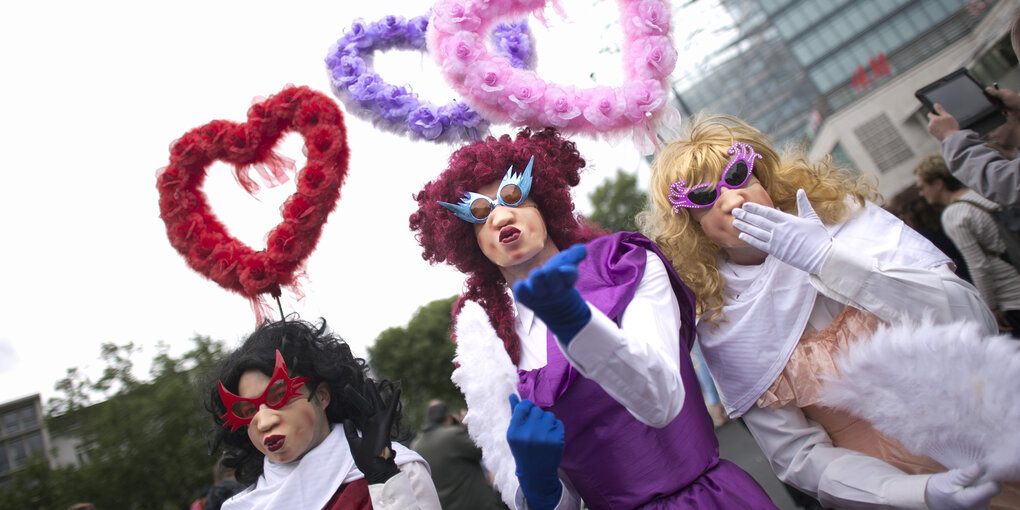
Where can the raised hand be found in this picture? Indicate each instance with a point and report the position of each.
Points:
(536, 442)
(941, 123)
(549, 291)
(800, 241)
(371, 451)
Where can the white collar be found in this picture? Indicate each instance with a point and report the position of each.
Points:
(525, 317)
(767, 306)
(310, 481)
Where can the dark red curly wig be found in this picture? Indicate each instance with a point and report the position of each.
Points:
(445, 238)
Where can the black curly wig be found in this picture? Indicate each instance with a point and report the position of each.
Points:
(309, 351)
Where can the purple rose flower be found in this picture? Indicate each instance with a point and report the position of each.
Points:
(459, 114)
(366, 88)
(414, 31)
(395, 102)
(358, 35)
(348, 72)
(389, 28)
(426, 122)
(513, 42)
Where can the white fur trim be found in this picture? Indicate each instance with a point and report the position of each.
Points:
(941, 390)
(487, 377)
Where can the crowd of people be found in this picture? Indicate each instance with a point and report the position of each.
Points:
(574, 345)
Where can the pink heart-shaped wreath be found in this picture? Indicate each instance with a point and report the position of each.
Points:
(198, 235)
(504, 94)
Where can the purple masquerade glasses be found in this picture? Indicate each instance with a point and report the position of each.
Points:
(735, 175)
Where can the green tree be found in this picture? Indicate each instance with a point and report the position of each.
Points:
(616, 202)
(144, 444)
(420, 356)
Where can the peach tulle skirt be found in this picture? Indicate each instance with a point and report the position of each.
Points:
(801, 383)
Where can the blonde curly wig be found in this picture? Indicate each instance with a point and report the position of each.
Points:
(699, 156)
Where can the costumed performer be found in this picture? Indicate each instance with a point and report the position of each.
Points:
(607, 355)
(790, 262)
(277, 403)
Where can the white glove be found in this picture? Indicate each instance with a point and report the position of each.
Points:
(800, 241)
(952, 490)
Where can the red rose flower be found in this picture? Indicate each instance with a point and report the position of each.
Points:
(257, 274)
(301, 212)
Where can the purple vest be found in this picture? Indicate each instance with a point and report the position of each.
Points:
(612, 459)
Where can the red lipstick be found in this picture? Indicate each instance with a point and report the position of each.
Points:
(274, 442)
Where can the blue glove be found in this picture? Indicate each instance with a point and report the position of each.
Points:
(536, 441)
(549, 291)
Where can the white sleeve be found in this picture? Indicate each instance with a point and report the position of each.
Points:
(802, 455)
(569, 500)
(896, 293)
(637, 363)
(410, 489)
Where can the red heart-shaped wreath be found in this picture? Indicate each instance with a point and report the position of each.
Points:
(197, 234)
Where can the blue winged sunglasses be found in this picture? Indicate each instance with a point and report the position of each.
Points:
(513, 191)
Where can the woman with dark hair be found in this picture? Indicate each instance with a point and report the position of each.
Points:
(275, 403)
(608, 354)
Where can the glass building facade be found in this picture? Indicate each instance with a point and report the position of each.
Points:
(798, 59)
(22, 435)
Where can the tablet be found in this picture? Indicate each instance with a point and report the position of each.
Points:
(965, 99)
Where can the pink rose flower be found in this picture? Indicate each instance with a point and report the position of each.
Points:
(605, 108)
(654, 57)
(643, 98)
(460, 51)
(452, 16)
(487, 80)
(523, 98)
(561, 106)
(490, 8)
(650, 17)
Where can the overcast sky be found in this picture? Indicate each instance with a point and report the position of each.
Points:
(94, 94)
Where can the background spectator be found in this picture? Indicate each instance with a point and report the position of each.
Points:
(975, 232)
(455, 461)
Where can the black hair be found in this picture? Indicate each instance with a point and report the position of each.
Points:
(309, 351)
(436, 413)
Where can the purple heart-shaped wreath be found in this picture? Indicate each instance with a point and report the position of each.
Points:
(397, 108)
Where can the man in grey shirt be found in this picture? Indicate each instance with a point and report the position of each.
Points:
(979, 167)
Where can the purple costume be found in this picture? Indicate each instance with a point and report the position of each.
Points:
(613, 460)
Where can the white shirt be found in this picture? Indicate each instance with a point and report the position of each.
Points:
(799, 450)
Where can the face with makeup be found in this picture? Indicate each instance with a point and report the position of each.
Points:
(711, 204)
(514, 238)
(509, 228)
(287, 433)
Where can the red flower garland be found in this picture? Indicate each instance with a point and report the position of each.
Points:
(197, 234)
